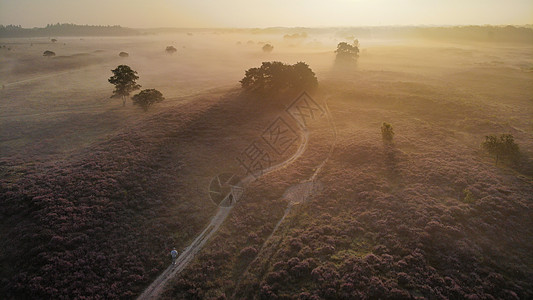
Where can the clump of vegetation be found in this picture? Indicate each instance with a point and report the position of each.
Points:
(171, 50)
(387, 133)
(49, 53)
(268, 48)
(53, 40)
(347, 52)
(124, 79)
(147, 98)
(276, 77)
(468, 197)
(123, 54)
(502, 147)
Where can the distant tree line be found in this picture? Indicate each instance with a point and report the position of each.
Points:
(65, 30)
(516, 34)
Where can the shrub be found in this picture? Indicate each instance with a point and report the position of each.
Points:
(123, 54)
(171, 50)
(49, 53)
(268, 48)
(469, 197)
(248, 252)
(387, 133)
(147, 98)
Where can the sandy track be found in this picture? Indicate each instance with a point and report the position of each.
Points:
(157, 286)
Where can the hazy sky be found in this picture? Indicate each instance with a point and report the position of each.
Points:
(264, 13)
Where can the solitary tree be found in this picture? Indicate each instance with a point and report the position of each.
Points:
(124, 80)
(147, 98)
(123, 54)
(387, 133)
(171, 50)
(501, 147)
(53, 40)
(49, 53)
(268, 48)
(346, 52)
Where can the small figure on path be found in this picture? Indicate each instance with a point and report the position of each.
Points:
(174, 254)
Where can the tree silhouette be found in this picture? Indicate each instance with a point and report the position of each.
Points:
(387, 133)
(124, 80)
(123, 54)
(275, 77)
(147, 98)
(268, 48)
(49, 53)
(503, 146)
(347, 52)
(171, 50)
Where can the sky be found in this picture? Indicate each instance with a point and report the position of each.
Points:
(265, 13)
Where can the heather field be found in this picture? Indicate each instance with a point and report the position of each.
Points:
(94, 195)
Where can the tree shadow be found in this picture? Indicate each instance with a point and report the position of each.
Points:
(391, 160)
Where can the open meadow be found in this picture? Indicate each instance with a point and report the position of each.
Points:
(94, 195)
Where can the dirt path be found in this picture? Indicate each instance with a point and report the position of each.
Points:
(295, 194)
(156, 287)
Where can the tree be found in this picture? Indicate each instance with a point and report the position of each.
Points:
(268, 48)
(387, 133)
(53, 40)
(347, 52)
(123, 54)
(147, 98)
(501, 147)
(124, 80)
(49, 53)
(171, 50)
(276, 77)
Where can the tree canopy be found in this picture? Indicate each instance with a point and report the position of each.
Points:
(387, 133)
(147, 98)
(268, 48)
(171, 50)
(124, 79)
(502, 147)
(347, 52)
(49, 53)
(275, 77)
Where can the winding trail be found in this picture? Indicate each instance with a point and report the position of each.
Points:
(295, 195)
(154, 290)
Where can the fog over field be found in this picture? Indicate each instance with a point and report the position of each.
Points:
(280, 162)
